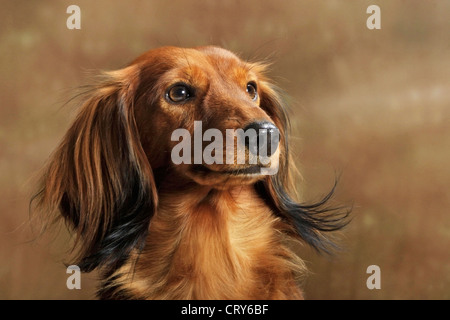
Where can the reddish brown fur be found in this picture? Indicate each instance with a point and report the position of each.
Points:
(211, 235)
(214, 245)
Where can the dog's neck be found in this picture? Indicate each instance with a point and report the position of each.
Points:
(205, 243)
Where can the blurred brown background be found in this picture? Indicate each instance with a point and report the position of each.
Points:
(372, 106)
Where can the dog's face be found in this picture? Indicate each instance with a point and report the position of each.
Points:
(189, 99)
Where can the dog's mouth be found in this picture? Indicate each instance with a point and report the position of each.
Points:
(241, 171)
(225, 176)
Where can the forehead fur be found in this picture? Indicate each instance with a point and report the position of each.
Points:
(207, 57)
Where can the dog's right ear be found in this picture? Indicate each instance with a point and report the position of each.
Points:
(99, 178)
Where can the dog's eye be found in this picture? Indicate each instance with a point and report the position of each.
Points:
(252, 91)
(178, 93)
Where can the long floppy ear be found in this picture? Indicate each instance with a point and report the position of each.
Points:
(311, 222)
(99, 178)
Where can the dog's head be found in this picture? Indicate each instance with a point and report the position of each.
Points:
(201, 114)
(210, 116)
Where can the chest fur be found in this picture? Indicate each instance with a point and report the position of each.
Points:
(229, 245)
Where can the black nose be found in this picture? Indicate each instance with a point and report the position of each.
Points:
(263, 141)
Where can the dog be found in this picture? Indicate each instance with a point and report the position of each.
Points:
(157, 229)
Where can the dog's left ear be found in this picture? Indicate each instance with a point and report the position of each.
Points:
(99, 178)
(311, 222)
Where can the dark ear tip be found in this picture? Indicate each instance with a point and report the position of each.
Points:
(314, 222)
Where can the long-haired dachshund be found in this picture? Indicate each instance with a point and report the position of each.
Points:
(164, 229)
